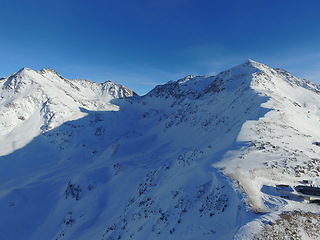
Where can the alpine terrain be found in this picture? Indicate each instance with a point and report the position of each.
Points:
(231, 156)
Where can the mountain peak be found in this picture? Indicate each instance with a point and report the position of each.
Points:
(250, 61)
(253, 65)
(48, 70)
(117, 90)
(24, 70)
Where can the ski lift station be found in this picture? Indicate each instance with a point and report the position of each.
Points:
(306, 192)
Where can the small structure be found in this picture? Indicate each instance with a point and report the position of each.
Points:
(316, 201)
(300, 192)
(308, 192)
(283, 188)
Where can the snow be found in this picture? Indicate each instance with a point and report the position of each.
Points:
(196, 158)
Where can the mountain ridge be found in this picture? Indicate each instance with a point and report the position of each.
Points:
(195, 158)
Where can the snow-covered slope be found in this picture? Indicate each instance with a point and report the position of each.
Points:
(195, 158)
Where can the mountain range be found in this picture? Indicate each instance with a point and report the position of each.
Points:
(196, 158)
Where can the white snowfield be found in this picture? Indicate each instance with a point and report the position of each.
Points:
(197, 158)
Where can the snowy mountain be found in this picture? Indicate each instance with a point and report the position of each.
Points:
(197, 158)
(33, 102)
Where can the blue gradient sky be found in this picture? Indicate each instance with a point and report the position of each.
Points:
(142, 43)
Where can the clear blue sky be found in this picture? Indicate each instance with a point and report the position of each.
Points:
(142, 43)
